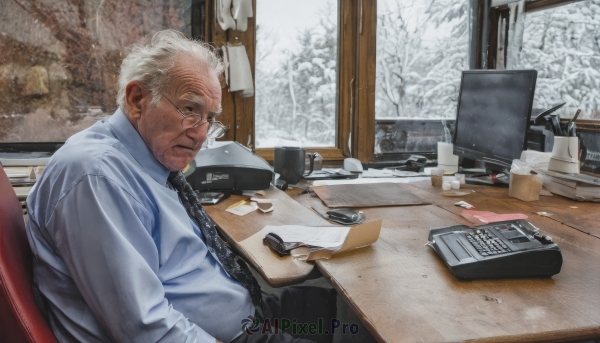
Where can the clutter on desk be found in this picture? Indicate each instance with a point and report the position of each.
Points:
(523, 184)
(367, 195)
(545, 193)
(253, 193)
(386, 173)
(309, 243)
(464, 204)
(446, 185)
(229, 167)
(289, 163)
(485, 217)
(344, 216)
(455, 193)
(364, 181)
(566, 152)
(315, 159)
(437, 176)
(565, 155)
(579, 187)
(353, 165)
(245, 206)
(447, 180)
(446, 158)
(455, 184)
(242, 207)
(211, 198)
(544, 214)
(265, 207)
(418, 161)
(331, 174)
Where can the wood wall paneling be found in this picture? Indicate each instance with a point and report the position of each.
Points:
(366, 41)
(346, 78)
(238, 112)
(356, 82)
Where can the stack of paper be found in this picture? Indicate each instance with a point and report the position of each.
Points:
(574, 186)
(325, 241)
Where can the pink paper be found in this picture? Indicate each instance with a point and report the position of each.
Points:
(484, 217)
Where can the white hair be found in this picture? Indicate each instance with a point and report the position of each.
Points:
(150, 64)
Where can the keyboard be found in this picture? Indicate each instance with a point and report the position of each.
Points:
(513, 248)
(486, 243)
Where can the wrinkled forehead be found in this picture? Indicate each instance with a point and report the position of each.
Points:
(194, 81)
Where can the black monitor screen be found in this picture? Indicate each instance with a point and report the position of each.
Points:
(493, 114)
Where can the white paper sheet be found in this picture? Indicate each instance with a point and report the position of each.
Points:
(370, 180)
(240, 75)
(324, 236)
(243, 209)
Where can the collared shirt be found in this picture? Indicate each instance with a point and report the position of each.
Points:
(117, 258)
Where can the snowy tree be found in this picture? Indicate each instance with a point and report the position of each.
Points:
(421, 50)
(562, 44)
(296, 97)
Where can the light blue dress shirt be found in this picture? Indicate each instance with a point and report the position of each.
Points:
(117, 258)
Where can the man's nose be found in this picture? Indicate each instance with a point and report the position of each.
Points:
(197, 133)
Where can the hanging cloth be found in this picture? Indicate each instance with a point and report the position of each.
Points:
(516, 28)
(242, 10)
(240, 74)
(225, 63)
(224, 17)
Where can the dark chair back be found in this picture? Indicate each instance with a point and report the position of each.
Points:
(20, 319)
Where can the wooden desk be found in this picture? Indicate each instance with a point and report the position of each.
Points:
(403, 292)
(277, 271)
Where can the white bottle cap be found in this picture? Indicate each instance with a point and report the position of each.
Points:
(446, 186)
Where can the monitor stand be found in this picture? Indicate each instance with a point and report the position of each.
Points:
(478, 173)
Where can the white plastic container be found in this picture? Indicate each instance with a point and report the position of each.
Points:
(455, 184)
(446, 186)
(446, 159)
(565, 155)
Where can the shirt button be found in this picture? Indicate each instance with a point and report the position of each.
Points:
(211, 250)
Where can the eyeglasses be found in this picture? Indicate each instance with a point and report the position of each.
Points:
(216, 129)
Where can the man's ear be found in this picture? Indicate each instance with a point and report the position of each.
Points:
(134, 95)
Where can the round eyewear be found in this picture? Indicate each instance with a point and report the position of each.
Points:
(216, 129)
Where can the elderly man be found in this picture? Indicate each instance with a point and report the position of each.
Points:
(123, 250)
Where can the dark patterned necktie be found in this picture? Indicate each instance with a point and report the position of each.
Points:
(232, 263)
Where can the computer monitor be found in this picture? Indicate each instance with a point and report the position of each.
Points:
(492, 119)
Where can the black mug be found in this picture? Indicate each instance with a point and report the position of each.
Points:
(288, 162)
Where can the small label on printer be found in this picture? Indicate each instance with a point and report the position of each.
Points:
(216, 177)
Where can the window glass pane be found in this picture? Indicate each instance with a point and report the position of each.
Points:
(296, 73)
(422, 47)
(562, 44)
(60, 59)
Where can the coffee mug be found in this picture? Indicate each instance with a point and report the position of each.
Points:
(288, 162)
(316, 159)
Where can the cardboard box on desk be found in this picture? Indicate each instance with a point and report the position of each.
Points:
(524, 187)
(357, 236)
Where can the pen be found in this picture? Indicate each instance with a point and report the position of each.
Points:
(572, 121)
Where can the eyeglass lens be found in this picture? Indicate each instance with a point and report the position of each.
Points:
(216, 130)
(191, 121)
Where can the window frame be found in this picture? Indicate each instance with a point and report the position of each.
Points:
(355, 120)
(488, 26)
(355, 104)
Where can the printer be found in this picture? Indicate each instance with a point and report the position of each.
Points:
(228, 167)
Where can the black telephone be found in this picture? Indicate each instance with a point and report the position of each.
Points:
(513, 248)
